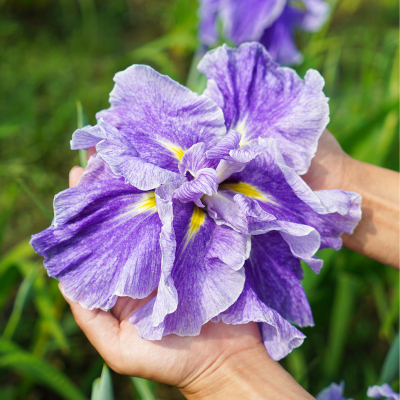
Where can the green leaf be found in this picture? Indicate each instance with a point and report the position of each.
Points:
(144, 388)
(21, 251)
(390, 369)
(34, 199)
(340, 323)
(37, 369)
(102, 387)
(46, 307)
(81, 122)
(20, 301)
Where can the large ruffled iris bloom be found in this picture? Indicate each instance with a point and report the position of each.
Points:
(271, 22)
(199, 197)
(335, 392)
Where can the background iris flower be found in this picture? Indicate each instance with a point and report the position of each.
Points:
(335, 392)
(199, 197)
(271, 22)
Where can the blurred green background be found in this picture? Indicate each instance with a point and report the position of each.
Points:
(57, 52)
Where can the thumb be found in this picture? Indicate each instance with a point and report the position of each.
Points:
(100, 327)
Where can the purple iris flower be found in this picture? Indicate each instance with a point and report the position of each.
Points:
(377, 392)
(335, 392)
(271, 22)
(200, 197)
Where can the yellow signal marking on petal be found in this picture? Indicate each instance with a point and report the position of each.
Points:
(248, 190)
(240, 127)
(175, 149)
(147, 203)
(196, 221)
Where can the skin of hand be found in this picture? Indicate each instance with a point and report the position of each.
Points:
(230, 361)
(377, 234)
(223, 362)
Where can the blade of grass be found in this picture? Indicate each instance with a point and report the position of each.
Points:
(340, 323)
(45, 306)
(21, 251)
(35, 199)
(144, 388)
(20, 301)
(390, 369)
(14, 358)
(81, 122)
(102, 387)
(7, 199)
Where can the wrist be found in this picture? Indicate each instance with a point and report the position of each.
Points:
(250, 374)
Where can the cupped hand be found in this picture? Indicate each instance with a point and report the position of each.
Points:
(224, 361)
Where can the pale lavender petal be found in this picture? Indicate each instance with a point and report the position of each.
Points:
(281, 272)
(221, 150)
(195, 159)
(206, 182)
(279, 38)
(303, 240)
(208, 12)
(123, 160)
(167, 296)
(261, 99)
(86, 137)
(160, 118)
(97, 170)
(376, 392)
(251, 150)
(208, 279)
(103, 243)
(223, 208)
(246, 20)
(316, 14)
(332, 392)
(278, 335)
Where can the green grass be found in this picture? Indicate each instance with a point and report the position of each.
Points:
(57, 52)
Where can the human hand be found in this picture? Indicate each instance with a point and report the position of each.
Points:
(377, 234)
(329, 168)
(223, 362)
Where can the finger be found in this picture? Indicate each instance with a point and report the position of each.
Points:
(100, 327)
(74, 175)
(90, 152)
(126, 306)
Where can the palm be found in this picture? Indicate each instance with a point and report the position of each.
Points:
(174, 360)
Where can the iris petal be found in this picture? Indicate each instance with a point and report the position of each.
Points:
(103, 243)
(265, 100)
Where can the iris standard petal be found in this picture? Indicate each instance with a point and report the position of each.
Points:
(261, 99)
(377, 392)
(278, 335)
(159, 117)
(88, 136)
(103, 243)
(208, 279)
(97, 170)
(195, 159)
(206, 182)
(220, 151)
(246, 20)
(124, 160)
